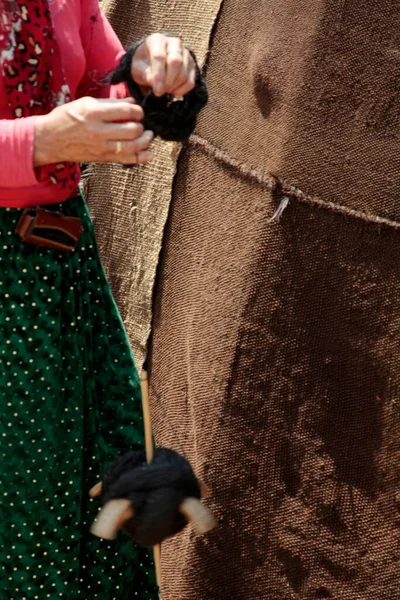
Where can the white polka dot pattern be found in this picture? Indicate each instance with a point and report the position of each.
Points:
(70, 403)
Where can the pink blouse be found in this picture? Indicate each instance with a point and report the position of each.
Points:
(90, 49)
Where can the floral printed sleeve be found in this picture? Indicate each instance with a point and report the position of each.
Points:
(102, 50)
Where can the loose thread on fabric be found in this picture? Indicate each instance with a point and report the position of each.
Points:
(273, 183)
(280, 210)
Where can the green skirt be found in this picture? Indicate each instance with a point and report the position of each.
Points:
(70, 403)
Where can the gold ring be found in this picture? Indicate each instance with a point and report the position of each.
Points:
(118, 147)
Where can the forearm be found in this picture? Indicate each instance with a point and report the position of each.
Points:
(45, 147)
(103, 51)
(17, 138)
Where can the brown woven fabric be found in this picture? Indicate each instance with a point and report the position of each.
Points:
(275, 360)
(130, 237)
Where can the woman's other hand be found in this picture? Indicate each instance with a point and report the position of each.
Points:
(90, 130)
(163, 64)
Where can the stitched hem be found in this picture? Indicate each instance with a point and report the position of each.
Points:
(274, 183)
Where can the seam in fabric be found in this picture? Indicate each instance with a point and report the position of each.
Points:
(273, 183)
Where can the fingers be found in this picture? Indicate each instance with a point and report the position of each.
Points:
(165, 65)
(143, 157)
(120, 110)
(129, 152)
(175, 67)
(106, 110)
(140, 158)
(156, 45)
(180, 69)
(141, 143)
(121, 131)
(186, 81)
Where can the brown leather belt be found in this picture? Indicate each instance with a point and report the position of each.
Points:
(49, 228)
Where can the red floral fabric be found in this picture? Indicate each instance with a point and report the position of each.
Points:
(32, 71)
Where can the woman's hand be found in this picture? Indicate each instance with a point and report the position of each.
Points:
(163, 64)
(90, 130)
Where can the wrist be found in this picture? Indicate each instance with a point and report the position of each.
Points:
(43, 150)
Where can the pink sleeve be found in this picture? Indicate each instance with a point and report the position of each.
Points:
(17, 146)
(103, 51)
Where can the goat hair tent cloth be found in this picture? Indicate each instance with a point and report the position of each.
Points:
(274, 354)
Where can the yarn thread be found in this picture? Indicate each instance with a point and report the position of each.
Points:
(170, 118)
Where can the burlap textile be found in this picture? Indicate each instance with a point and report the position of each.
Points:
(275, 360)
(130, 206)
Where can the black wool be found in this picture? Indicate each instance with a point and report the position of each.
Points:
(155, 490)
(169, 118)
